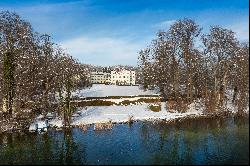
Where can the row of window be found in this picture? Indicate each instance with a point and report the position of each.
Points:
(98, 79)
(113, 77)
(100, 76)
(123, 77)
(124, 73)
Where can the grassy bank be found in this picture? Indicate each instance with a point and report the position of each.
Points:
(109, 103)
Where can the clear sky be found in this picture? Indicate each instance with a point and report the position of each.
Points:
(109, 32)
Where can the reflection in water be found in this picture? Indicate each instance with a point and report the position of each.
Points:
(191, 143)
(201, 141)
(70, 153)
(48, 148)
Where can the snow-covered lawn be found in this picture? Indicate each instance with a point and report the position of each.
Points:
(101, 90)
(118, 114)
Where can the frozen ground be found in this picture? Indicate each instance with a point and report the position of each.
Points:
(101, 90)
(117, 114)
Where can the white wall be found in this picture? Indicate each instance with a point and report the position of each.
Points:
(124, 77)
(100, 77)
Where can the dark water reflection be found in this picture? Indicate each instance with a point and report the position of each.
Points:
(213, 141)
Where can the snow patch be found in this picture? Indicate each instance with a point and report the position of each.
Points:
(57, 122)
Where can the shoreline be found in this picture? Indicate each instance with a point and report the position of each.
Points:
(221, 114)
(173, 121)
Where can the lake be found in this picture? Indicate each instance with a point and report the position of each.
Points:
(200, 141)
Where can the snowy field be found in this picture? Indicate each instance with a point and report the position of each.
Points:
(119, 114)
(101, 90)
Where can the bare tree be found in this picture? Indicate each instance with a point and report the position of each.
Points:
(220, 46)
(183, 33)
(34, 70)
(16, 35)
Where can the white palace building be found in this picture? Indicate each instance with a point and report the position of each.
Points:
(116, 77)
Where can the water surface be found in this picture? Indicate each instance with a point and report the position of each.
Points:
(212, 141)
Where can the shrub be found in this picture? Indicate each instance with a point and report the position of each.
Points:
(94, 103)
(179, 105)
(155, 107)
(103, 126)
(126, 102)
(171, 105)
(210, 103)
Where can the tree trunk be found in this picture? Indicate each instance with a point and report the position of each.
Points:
(68, 106)
(235, 93)
(9, 82)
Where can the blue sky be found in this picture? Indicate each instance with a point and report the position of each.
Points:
(109, 32)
